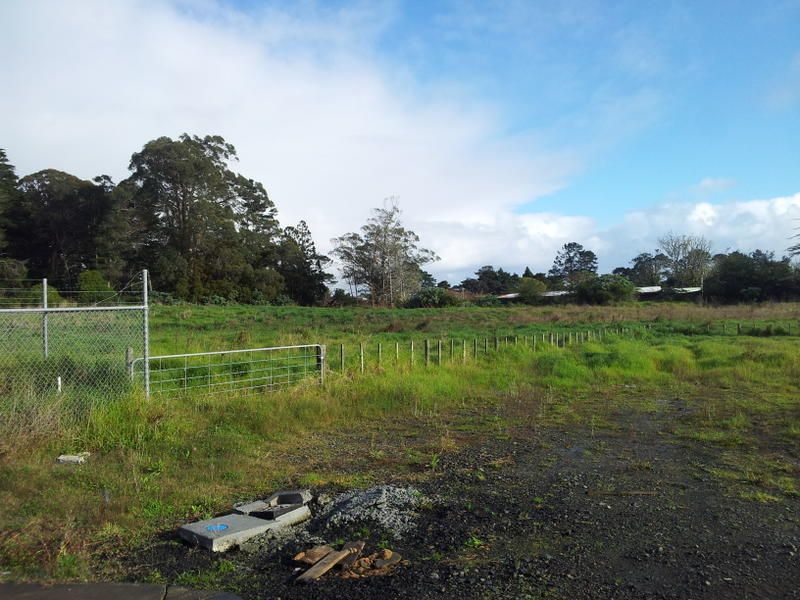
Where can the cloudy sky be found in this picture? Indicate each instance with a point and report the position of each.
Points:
(504, 128)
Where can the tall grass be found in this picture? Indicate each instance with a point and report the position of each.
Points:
(160, 461)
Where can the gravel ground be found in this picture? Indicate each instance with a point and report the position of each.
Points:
(620, 513)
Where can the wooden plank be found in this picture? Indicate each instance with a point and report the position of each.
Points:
(325, 565)
(313, 555)
(349, 560)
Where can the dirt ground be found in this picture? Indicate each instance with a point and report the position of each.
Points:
(628, 510)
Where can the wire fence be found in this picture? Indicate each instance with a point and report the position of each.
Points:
(250, 370)
(60, 356)
(361, 357)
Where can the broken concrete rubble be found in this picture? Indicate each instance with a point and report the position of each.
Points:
(391, 507)
(248, 521)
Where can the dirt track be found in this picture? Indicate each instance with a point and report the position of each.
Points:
(626, 511)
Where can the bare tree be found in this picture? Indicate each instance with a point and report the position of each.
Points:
(688, 256)
(795, 250)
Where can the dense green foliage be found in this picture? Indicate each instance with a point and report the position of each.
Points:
(604, 289)
(203, 230)
(752, 277)
(530, 289)
(433, 297)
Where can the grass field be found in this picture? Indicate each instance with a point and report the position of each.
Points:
(157, 463)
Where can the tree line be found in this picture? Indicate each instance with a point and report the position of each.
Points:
(210, 234)
(206, 232)
(683, 261)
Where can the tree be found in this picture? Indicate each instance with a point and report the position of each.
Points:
(57, 224)
(302, 267)
(688, 258)
(427, 280)
(572, 264)
(758, 276)
(490, 281)
(8, 194)
(530, 289)
(384, 258)
(207, 230)
(605, 289)
(528, 273)
(647, 269)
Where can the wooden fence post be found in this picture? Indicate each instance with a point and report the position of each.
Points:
(463, 351)
(341, 357)
(361, 349)
(380, 354)
(439, 353)
(427, 352)
(412, 353)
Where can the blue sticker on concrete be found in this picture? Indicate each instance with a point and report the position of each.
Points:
(217, 527)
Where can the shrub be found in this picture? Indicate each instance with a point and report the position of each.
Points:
(530, 290)
(432, 297)
(605, 289)
(93, 287)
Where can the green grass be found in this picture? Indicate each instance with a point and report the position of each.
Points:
(156, 463)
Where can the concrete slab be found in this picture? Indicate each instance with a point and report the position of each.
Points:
(221, 533)
(104, 591)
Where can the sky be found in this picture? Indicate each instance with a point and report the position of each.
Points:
(504, 129)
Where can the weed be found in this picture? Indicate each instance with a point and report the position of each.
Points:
(474, 542)
(433, 463)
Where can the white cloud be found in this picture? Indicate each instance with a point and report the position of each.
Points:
(533, 239)
(329, 133)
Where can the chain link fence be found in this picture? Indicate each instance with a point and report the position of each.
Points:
(62, 351)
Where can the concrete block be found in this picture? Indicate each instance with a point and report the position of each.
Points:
(221, 533)
(290, 497)
(286, 514)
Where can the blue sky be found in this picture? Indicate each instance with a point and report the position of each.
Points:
(505, 128)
